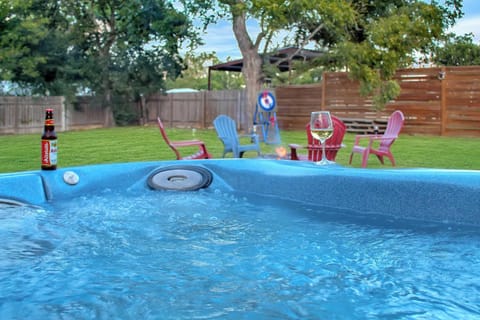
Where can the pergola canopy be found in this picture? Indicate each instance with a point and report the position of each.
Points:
(285, 55)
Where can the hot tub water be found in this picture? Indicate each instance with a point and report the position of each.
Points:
(229, 255)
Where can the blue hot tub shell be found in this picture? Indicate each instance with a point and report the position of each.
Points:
(446, 196)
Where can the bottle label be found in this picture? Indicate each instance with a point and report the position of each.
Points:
(49, 152)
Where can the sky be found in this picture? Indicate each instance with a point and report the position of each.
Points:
(220, 38)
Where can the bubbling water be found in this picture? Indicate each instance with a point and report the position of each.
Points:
(211, 254)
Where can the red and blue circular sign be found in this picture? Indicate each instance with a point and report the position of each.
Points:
(266, 101)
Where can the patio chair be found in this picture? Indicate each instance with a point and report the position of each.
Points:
(202, 152)
(227, 133)
(384, 141)
(314, 147)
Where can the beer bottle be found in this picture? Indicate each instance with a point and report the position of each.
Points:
(49, 142)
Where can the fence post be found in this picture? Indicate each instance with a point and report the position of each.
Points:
(442, 76)
(203, 120)
(324, 90)
(170, 100)
(64, 114)
(240, 110)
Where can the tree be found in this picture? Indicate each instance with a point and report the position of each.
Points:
(126, 46)
(387, 35)
(272, 17)
(20, 32)
(458, 51)
(368, 38)
(112, 47)
(37, 36)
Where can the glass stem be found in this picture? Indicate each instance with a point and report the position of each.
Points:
(324, 157)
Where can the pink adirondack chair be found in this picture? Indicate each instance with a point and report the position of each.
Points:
(202, 152)
(385, 141)
(332, 144)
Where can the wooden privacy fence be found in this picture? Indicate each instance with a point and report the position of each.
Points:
(196, 109)
(435, 101)
(19, 115)
(27, 114)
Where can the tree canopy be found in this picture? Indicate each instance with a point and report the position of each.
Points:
(368, 38)
(118, 47)
(20, 35)
(388, 35)
(458, 51)
(111, 47)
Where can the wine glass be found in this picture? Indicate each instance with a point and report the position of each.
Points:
(321, 127)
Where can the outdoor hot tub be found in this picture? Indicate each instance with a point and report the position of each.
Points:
(239, 238)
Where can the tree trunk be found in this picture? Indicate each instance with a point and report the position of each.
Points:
(252, 67)
(143, 110)
(108, 120)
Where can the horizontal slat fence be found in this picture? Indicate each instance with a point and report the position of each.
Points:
(462, 101)
(435, 101)
(295, 103)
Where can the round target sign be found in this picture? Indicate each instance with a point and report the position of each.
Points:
(266, 101)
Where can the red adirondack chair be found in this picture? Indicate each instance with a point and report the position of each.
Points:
(314, 148)
(384, 141)
(176, 145)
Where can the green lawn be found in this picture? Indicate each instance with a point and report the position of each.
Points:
(125, 144)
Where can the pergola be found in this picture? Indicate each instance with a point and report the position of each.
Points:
(285, 55)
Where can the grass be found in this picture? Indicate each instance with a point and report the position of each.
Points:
(127, 144)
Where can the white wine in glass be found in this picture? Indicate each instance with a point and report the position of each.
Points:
(321, 127)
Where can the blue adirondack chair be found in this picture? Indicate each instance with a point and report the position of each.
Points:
(227, 133)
